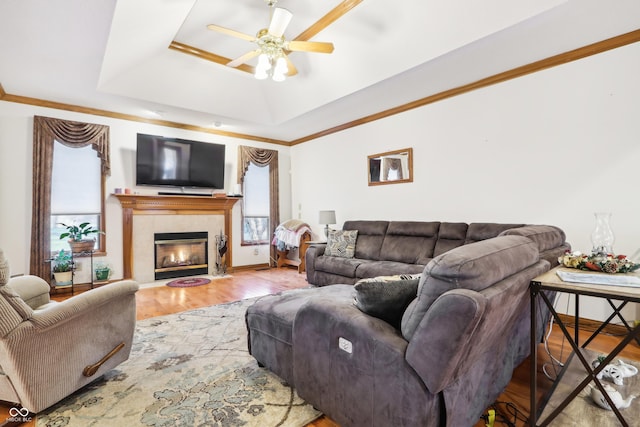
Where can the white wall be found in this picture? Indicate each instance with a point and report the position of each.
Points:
(551, 148)
(16, 136)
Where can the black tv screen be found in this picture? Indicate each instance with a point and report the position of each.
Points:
(177, 162)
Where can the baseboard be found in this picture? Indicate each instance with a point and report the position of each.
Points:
(590, 325)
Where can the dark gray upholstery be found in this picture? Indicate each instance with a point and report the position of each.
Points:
(270, 325)
(406, 247)
(458, 344)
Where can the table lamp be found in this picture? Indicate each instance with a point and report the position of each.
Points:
(326, 218)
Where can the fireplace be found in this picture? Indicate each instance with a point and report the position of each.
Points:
(181, 254)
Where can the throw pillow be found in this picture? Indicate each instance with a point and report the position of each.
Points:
(386, 297)
(341, 243)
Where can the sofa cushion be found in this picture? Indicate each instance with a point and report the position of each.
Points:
(474, 266)
(486, 230)
(345, 267)
(451, 235)
(411, 242)
(341, 243)
(368, 269)
(386, 297)
(370, 237)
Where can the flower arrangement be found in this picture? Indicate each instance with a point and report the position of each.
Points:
(607, 264)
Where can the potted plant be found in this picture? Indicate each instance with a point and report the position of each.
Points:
(63, 268)
(103, 271)
(78, 234)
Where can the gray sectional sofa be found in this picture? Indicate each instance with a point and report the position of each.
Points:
(454, 350)
(406, 247)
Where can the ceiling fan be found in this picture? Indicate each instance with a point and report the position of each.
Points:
(272, 50)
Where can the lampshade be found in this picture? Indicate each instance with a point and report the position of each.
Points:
(327, 217)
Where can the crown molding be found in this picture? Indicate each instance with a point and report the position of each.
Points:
(562, 58)
(130, 117)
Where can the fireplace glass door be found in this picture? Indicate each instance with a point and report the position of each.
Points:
(181, 254)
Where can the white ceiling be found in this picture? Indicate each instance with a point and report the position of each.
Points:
(114, 55)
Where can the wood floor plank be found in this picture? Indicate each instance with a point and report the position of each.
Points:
(162, 300)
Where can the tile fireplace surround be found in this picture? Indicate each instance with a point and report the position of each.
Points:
(144, 215)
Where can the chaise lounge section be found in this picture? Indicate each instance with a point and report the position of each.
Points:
(449, 356)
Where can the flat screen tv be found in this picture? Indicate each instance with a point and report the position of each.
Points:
(174, 162)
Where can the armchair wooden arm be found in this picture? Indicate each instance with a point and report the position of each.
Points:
(90, 370)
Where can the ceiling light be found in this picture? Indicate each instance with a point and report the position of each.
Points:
(271, 63)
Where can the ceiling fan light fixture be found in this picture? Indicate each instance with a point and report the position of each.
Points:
(281, 66)
(264, 62)
(278, 77)
(273, 47)
(261, 75)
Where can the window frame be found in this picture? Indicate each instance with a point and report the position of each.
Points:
(101, 238)
(261, 242)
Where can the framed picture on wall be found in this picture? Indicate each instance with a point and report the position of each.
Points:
(391, 167)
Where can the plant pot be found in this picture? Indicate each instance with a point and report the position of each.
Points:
(63, 278)
(102, 274)
(85, 245)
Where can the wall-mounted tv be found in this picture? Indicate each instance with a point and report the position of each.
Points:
(174, 162)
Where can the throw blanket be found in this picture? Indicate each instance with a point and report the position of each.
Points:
(287, 235)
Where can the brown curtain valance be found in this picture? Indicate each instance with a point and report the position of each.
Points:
(263, 157)
(46, 131)
(257, 156)
(74, 134)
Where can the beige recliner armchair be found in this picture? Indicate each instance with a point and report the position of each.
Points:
(50, 349)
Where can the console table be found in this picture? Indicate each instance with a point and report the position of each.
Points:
(583, 372)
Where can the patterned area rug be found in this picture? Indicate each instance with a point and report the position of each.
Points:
(186, 369)
(188, 282)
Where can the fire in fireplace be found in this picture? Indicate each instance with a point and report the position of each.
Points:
(181, 254)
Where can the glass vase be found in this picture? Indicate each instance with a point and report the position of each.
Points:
(602, 237)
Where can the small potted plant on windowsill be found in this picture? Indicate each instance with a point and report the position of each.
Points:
(63, 268)
(78, 234)
(103, 271)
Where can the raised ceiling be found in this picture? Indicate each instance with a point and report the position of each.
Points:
(116, 56)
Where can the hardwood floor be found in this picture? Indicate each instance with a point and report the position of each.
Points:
(157, 301)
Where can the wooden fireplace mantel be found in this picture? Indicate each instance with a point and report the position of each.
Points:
(136, 204)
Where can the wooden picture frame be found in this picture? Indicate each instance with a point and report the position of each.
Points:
(390, 167)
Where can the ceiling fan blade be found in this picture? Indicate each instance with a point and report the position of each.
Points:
(320, 47)
(244, 58)
(279, 21)
(232, 33)
(292, 70)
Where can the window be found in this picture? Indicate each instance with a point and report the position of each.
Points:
(255, 209)
(47, 130)
(76, 191)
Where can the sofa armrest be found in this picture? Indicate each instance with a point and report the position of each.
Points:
(347, 362)
(439, 345)
(313, 252)
(33, 290)
(66, 310)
